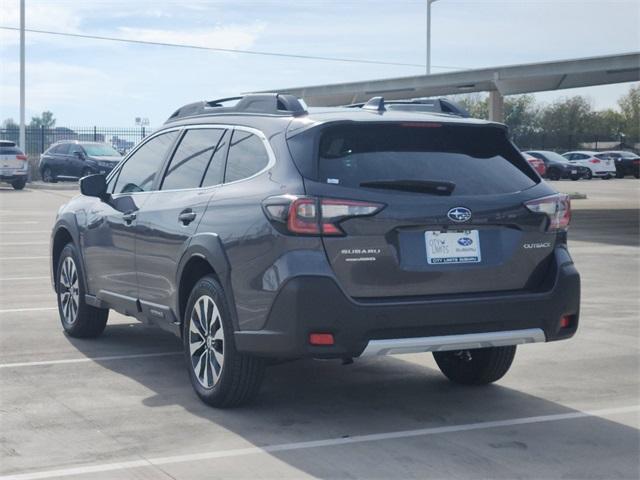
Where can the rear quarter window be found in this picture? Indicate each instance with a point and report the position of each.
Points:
(10, 151)
(478, 160)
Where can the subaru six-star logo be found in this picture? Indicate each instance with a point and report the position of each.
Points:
(465, 241)
(459, 214)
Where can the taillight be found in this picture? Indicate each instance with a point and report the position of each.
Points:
(557, 208)
(594, 160)
(636, 162)
(315, 216)
(21, 157)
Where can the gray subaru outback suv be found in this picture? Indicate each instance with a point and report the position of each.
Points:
(255, 228)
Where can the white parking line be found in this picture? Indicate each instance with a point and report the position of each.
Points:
(13, 244)
(34, 309)
(330, 442)
(87, 359)
(15, 232)
(17, 279)
(23, 258)
(27, 222)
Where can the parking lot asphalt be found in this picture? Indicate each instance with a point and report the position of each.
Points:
(121, 406)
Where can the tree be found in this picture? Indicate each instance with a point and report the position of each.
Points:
(10, 130)
(630, 108)
(45, 120)
(476, 104)
(567, 122)
(521, 114)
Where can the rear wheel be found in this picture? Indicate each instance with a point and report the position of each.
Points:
(589, 175)
(221, 376)
(475, 367)
(78, 319)
(575, 177)
(19, 184)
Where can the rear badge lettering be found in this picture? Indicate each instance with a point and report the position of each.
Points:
(365, 252)
(537, 245)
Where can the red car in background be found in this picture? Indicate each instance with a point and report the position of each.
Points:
(537, 164)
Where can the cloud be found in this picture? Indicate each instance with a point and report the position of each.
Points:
(228, 36)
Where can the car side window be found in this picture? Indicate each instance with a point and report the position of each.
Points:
(215, 170)
(62, 149)
(75, 148)
(247, 156)
(193, 155)
(140, 170)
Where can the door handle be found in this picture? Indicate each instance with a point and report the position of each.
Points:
(187, 216)
(129, 217)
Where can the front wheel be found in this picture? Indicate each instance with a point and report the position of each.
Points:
(47, 176)
(476, 367)
(78, 319)
(221, 376)
(589, 175)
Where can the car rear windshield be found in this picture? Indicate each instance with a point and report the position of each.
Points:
(10, 151)
(477, 160)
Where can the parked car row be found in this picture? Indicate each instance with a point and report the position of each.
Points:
(583, 164)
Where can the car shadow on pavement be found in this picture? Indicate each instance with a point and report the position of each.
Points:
(314, 400)
(611, 226)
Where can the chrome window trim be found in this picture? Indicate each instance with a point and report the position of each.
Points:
(270, 164)
(443, 343)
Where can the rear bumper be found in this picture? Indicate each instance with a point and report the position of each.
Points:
(10, 177)
(309, 304)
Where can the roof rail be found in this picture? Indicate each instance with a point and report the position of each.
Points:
(436, 105)
(265, 103)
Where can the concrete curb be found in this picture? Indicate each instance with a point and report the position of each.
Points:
(53, 186)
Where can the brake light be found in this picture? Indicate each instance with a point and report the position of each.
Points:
(594, 160)
(557, 208)
(21, 157)
(316, 216)
(636, 162)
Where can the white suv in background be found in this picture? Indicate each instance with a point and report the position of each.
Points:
(14, 167)
(604, 168)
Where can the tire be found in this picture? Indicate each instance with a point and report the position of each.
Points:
(475, 367)
(637, 175)
(19, 184)
(607, 177)
(47, 176)
(221, 376)
(589, 175)
(619, 174)
(78, 319)
(575, 178)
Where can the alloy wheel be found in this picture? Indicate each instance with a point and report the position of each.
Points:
(69, 291)
(206, 341)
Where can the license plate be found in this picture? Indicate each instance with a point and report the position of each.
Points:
(458, 246)
(574, 172)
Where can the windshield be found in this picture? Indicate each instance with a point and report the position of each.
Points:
(624, 154)
(100, 150)
(476, 161)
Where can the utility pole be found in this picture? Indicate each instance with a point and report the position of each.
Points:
(23, 143)
(429, 2)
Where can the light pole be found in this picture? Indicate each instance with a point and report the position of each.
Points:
(22, 140)
(429, 2)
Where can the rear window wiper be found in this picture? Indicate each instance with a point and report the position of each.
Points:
(435, 187)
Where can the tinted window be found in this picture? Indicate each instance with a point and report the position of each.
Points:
(10, 151)
(247, 156)
(477, 160)
(74, 148)
(190, 161)
(215, 170)
(62, 149)
(140, 170)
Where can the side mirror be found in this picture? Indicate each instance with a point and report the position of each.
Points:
(94, 186)
(80, 155)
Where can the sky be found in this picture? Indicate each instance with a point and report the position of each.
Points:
(88, 82)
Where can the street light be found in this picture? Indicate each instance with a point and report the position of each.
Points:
(22, 139)
(429, 2)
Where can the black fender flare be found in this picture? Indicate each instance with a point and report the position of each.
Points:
(69, 223)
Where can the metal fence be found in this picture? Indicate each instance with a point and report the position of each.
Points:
(39, 139)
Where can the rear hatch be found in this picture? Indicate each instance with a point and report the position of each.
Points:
(452, 218)
(11, 159)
